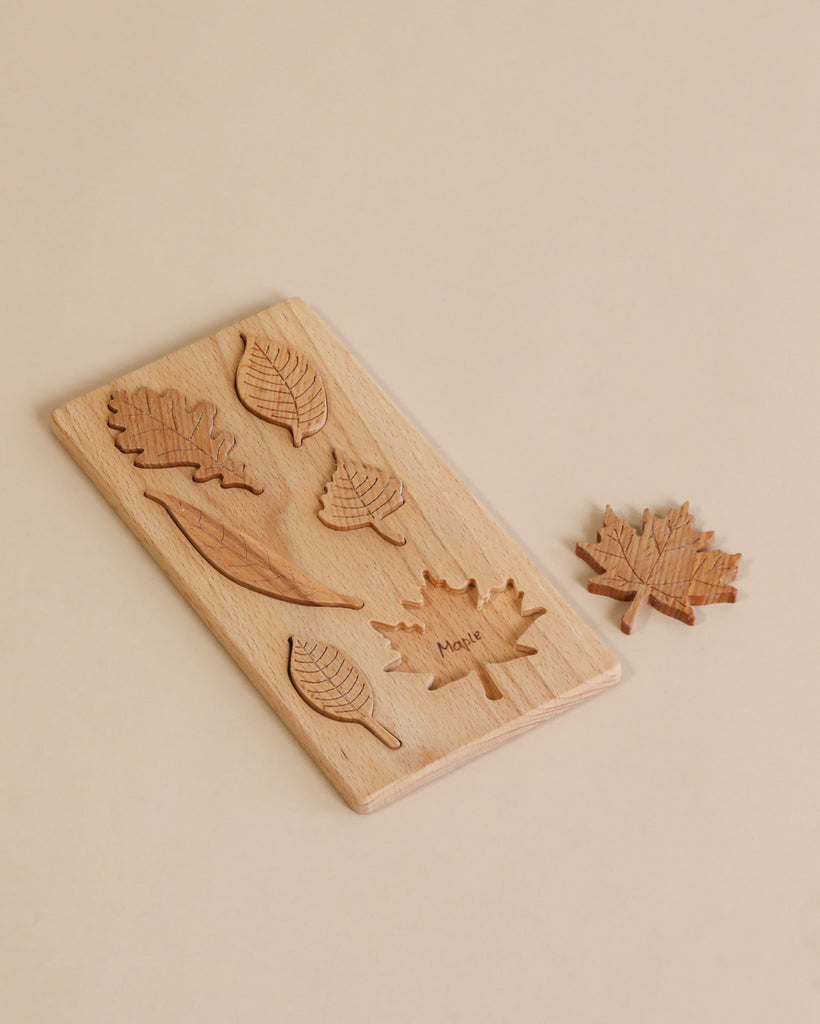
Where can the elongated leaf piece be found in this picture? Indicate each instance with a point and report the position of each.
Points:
(334, 687)
(246, 562)
(281, 386)
(359, 495)
(162, 432)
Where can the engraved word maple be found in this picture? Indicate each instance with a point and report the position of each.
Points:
(669, 565)
(459, 632)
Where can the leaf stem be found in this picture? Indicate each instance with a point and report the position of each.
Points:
(382, 732)
(628, 621)
(395, 538)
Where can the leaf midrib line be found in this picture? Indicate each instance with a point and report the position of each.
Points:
(289, 390)
(367, 507)
(230, 467)
(317, 666)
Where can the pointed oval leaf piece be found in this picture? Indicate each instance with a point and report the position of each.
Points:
(334, 687)
(280, 386)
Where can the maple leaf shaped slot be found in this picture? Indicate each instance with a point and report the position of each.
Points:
(459, 632)
(669, 565)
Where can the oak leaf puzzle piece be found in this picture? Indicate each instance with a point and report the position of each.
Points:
(669, 565)
(163, 433)
(460, 632)
(359, 495)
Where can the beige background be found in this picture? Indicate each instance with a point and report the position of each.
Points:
(578, 243)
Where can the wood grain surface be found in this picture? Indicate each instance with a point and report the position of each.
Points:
(669, 565)
(334, 687)
(281, 386)
(359, 496)
(163, 432)
(449, 536)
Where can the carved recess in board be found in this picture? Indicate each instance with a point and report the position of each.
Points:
(457, 632)
(280, 386)
(333, 686)
(244, 561)
(162, 432)
(359, 495)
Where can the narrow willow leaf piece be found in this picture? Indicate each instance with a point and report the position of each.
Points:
(281, 386)
(243, 560)
(334, 687)
(360, 495)
(162, 432)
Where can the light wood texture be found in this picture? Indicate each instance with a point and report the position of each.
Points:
(163, 432)
(448, 534)
(458, 631)
(246, 562)
(281, 386)
(669, 565)
(334, 687)
(359, 495)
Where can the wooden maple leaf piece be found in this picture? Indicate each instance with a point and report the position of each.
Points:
(460, 632)
(162, 432)
(280, 386)
(359, 495)
(669, 565)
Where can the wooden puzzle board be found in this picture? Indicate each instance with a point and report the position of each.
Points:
(555, 659)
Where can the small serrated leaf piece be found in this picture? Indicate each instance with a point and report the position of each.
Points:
(162, 433)
(359, 495)
(280, 386)
(669, 565)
